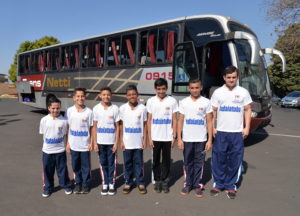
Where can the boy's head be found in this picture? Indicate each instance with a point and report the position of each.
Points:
(161, 87)
(105, 94)
(132, 94)
(195, 87)
(53, 105)
(79, 96)
(230, 76)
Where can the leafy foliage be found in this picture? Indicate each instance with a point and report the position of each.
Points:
(26, 46)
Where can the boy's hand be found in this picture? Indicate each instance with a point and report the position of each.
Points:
(151, 144)
(68, 147)
(115, 148)
(208, 145)
(96, 149)
(172, 143)
(90, 147)
(180, 144)
(245, 132)
(214, 132)
(122, 146)
(144, 145)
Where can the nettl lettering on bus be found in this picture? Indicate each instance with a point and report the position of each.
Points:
(63, 82)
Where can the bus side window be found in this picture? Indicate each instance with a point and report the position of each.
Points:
(166, 43)
(148, 47)
(128, 50)
(113, 58)
(65, 59)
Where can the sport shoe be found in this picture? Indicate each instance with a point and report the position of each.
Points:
(46, 193)
(77, 189)
(231, 194)
(157, 187)
(68, 191)
(85, 190)
(142, 189)
(112, 190)
(165, 188)
(127, 189)
(185, 190)
(199, 192)
(104, 190)
(214, 191)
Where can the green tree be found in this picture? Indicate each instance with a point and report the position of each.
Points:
(289, 43)
(29, 45)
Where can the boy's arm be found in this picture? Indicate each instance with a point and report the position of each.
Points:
(67, 137)
(115, 147)
(209, 125)
(90, 147)
(122, 146)
(179, 131)
(174, 120)
(95, 136)
(149, 123)
(145, 135)
(247, 117)
(214, 120)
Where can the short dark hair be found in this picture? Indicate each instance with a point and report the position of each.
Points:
(51, 98)
(195, 81)
(160, 82)
(106, 88)
(131, 87)
(80, 89)
(230, 69)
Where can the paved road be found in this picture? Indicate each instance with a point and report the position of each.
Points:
(270, 186)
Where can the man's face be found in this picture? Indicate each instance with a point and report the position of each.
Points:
(132, 96)
(231, 79)
(195, 89)
(105, 96)
(79, 98)
(161, 91)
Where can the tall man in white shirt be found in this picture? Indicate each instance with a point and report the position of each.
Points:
(162, 110)
(232, 113)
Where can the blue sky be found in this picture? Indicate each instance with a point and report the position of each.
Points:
(68, 20)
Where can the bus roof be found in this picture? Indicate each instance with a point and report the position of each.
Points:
(222, 19)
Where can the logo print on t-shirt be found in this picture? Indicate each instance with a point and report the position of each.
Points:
(60, 130)
(200, 111)
(237, 99)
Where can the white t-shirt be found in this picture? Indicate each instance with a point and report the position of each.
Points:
(133, 125)
(79, 128)
(162, 111)
(54, 131)
(194, 124)
(230, 104)
(106, 119)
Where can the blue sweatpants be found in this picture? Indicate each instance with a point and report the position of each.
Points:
(81, 165)
(227, 158)
(133, 164)
(51, 162)
(107, 161)
(193, 162)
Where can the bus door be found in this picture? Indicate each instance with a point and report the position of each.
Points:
(216, 58)
(185, 67)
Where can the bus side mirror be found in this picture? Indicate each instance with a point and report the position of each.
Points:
(275, 52)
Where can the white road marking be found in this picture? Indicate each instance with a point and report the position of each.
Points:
(284, 135)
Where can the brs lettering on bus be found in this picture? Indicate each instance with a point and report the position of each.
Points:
(157, 75)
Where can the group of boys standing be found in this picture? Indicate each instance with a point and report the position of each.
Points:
(107, 125)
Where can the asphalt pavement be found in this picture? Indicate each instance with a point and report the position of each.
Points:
(270, 183)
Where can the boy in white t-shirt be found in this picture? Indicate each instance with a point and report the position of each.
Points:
(162, 110)
(54, 128)
(133, 117)
(194, 123)
(80, 120)
(106, 138)
(232, 112)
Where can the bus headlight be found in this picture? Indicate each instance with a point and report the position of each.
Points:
(253, 114)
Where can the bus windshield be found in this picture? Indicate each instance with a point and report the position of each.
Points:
(253, 73)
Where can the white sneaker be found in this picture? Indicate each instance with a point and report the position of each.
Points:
(104, 190)
(112, 190)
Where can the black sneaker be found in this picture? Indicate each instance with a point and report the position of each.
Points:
(199, 192)
(68, 191)
(165, 188)
(46, 193)
(231, 194)
(214, 191)
(142, 189)
(127, 189)
(77, 189)
(185, 190)
(104, 190)
(85, 190)
(112, 190)
(157, 187)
